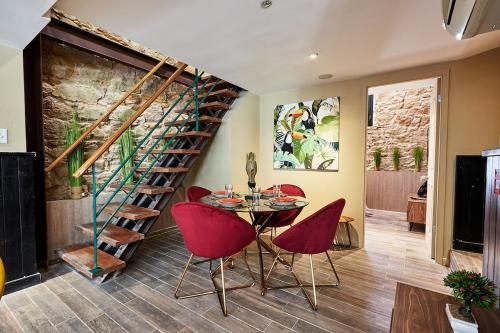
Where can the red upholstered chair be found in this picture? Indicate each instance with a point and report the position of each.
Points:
(212, 233)
(312, 235)
(195, 193)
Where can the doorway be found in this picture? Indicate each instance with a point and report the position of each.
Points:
(400, 170)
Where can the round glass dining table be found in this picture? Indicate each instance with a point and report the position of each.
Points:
(260, 214)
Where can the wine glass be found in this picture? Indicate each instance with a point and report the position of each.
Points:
(277, 190)
(256, 195)
(229, 190)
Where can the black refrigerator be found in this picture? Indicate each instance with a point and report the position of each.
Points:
(470, 184)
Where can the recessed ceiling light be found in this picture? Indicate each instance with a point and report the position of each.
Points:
(266, 4)
(325, 76)
(459, 36)
(314, 55)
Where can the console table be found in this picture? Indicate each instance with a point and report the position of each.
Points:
(420, 310)
(416, 210)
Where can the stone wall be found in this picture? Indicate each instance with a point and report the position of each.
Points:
(401, 119)
(76, 81)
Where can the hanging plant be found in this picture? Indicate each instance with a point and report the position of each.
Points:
(75, 159)
(377, 158)
(396, 156)
(418, 156)
(126, 145)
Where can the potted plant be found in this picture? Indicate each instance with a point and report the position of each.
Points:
(471, 289)
(75, 158)
(418, 156)
(377, 158)
(126, 145)
(396, 156)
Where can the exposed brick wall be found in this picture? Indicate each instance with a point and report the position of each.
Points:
(401, 119)
(76, 81)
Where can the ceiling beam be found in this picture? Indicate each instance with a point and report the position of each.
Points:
(86, 41)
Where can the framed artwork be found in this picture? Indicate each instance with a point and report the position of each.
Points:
(306, 135)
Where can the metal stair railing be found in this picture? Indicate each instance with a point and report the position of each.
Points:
(97, 191)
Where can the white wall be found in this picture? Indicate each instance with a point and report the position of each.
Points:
(12, 99)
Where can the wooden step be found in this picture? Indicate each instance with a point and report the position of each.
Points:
(81, 257)
(112, 234)
(220, 93)
(201, 119)
(164, 169)
(218, 83)
(173, 151)
(145, 189)
(210, 105)
(131, 212)
(188, 134)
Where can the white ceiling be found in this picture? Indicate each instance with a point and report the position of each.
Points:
(22, 20)
(267, 50)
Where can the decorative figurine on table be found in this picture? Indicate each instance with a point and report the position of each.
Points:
(251, 170)
(470, 288)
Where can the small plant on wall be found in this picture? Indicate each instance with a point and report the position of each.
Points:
(377, 158)
(126, 145)
(396, 156)
(75, 158)
(418, 157)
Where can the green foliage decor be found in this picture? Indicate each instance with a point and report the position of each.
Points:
(396, 156)
(472, 289)
(418, 156)
(126, 145)
(377, 158)
(75, 158)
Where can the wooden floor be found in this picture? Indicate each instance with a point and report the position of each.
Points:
(141, 299)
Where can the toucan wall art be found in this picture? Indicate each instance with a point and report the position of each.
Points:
(306, 135)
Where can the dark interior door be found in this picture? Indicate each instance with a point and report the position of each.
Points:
(470, 182)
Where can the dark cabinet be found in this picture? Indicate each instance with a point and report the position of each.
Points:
(491, 253)
(468, 218)
(17, 220)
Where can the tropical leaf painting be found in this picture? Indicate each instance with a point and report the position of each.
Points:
(306, 135)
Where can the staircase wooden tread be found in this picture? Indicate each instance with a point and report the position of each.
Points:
(188, 134)
(223, 92)
(165, 169)
(173, 151)
(210, 105)
(81, 257)
(213, 83)
(113, 235)
(144, 188)
(131, 212)
(201, 119)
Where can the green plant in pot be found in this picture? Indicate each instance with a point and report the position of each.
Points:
(377, 158)
(418, 157)
(471, 289)
(126, 145)
(75, 159)
(396, 156)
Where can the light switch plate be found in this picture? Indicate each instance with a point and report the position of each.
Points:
(3, 135)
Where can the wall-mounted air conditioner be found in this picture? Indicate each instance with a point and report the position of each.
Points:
(467, 18)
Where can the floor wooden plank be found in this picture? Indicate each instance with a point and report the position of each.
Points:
(141, 299)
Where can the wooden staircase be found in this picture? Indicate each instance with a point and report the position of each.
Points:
(131, 222)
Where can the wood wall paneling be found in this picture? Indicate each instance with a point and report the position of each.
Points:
(62, 217)
(389, 190)
(17, 219)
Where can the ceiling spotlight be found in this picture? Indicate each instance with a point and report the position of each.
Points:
(325, 76)
(266, 4)
(459, 36)
(314, 55)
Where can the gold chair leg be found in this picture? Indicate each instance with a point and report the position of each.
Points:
(315, 305)
(272, 266)
(333, 268)
(222, 300)
(183, 274)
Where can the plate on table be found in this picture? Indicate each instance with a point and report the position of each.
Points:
(230, 202)
(283, 201)
(270, 193)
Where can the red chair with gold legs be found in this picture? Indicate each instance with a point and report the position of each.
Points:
(313, 235)
(195, 193)
(2, 278)
(212, 233)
